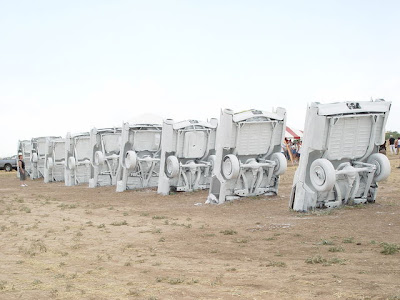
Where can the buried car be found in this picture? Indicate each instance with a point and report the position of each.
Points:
(248, 158)
(188, 155)
(340, 161)
(139, 156)
(54, 165)
(77, 158)
(105, 144)
(38, 157)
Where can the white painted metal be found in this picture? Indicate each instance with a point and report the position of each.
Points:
(248, 154)
(54, 163)
(339, 162)
(188, 155)
(105, 145)
(139, 156)
(38, 155)
(77, 158)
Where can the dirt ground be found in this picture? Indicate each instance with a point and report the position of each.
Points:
(62, 242)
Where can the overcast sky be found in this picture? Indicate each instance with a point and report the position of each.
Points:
(73, 65)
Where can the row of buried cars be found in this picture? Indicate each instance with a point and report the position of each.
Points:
(237, 156)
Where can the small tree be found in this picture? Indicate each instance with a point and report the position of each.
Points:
(389, 133)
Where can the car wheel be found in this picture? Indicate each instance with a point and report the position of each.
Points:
(172, 166)
(8, 168)
(382, 164)
(322, 175)
(231, 167)
(281, 163)
(130, 160)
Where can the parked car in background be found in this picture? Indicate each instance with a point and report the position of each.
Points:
(8, 163)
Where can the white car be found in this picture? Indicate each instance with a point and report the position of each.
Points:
(54, 166)
(340, 161)
(248, 158)
(188, 155)
(78, 153)
(106, 146)
(139, 156)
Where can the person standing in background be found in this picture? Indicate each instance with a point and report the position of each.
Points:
(397, 144)
(391, 145)
(22, 172)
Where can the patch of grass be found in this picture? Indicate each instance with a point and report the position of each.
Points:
(336, 249)
(317, 259)
(36, 282)
(356, 206)
(64, 206)
(119, 223)
(54, 293)
(217, 280)
(161, 240)
(159, 217)
(389, 249)
(3, 284)
(156, 230)
(208, 235)
(336, 260)
(348, 240)
(25, 209)
(132, 292)
(177, 280)
(326, 242)
(240, 241)
(270, 239)
(101, 225)
(36, 247)
(228, 232)
(145, 214)
(279, 264)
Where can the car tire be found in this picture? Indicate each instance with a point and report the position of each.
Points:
(212, 160)
(99, 158)
(71, 163)
(322, 175)
(281, 163)
(130, 160)
(382, 164)
(172, 166)
(230, 166)
(50, 163)
(7, 168)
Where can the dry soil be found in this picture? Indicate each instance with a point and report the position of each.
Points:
(62, 242)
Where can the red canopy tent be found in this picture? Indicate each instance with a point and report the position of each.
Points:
(293, 133)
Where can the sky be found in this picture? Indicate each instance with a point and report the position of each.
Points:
(69, 66)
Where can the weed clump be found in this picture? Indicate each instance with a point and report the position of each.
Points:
(389, 249)
(228, 232)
